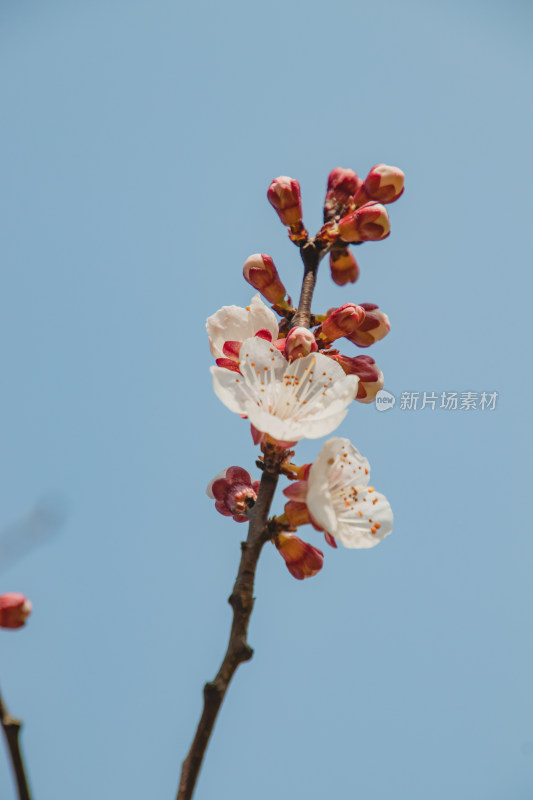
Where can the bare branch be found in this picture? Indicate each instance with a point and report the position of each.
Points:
(12, 728)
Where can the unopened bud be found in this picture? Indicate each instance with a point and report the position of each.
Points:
(369, 223)
(384, 184)
(371, 379)
(343, 321)
(299, 342)
(15, 608)
(374, 327)
(344, 267)
(260, 272)
(284, 195)
(302, 559)
(234, 493)
(342, 186)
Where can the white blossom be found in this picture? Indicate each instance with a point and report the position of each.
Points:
(340, 500)
(307, 398)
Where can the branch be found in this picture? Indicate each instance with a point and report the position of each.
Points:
(12, 729)
(312, 254)
(242, 602)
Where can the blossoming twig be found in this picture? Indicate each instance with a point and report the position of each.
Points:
(12, 728)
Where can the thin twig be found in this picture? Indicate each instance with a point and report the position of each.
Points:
(12, 728)
(242, 601)
(312, 254)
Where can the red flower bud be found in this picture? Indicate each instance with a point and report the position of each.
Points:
(299, 342)
(302, 559)
(344, 267)
(15, 608)
(384, 184)
(284, 195)
(374, 327)
(344, 321)
(234, 493)
(342, 185)
(370, 376)
(260, 272)
(366, 224)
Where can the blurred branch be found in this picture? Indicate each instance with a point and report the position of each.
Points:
(11, 729)
(36, 527)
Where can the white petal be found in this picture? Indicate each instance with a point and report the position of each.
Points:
(209, 487)
(231, 389)
(366, 522)
(235, 324)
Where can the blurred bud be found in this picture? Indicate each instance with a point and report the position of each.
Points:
(369, 223)
(302, 559)
(344, 267)
(370, 376)
(284, 195)
(234, 493)
(299, 342)
(260, 272)
(15, 608)
(383, 183)
(342, 185)
(374, 327)
(343, 321)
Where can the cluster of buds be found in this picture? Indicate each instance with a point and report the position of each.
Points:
(291, 381)
(15, 608)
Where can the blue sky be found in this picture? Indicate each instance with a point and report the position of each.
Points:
(137, 143)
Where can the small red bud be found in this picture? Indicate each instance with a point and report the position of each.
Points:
(284, 195)
(302, 559)
(260, 272)
(15, 608)
(368, 223)
(370, 376)
(299, 342)
(374, 327)
(344, 267)
(343, 321)
(342, 185)
(384, 184)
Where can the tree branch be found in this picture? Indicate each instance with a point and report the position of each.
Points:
(242, 602)
(312, 254)
(12, 728)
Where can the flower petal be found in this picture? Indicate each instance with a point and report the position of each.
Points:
(233, 323)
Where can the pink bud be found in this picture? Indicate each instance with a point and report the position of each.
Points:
(344, 321)
(260, 272)
(15, 609)
(344, 267)
(299, 342)
(370, 376)
(366, 224)
(342, 185)
(374, 327)
(302, 559)
(384, 184)
(284, 195)
(234, 493)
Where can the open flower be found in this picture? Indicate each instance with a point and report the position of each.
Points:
(340, 500)
(231, 325)
(302, 400)
(234, 493)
